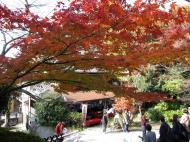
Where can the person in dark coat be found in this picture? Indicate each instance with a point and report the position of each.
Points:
(165, 131)
(104, 121)
(179, 132)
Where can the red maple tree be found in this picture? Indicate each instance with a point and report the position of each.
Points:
(107, 36)
(122, 103)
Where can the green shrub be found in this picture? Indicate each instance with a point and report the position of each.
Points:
(174, 105)
(172, 86)
(167, 109)
(49, 112)
(169, 114)
(75, 118)
(8, 136)
(52, 109)
(163, 106)
(153, 114)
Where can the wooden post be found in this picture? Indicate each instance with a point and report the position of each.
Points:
(140, 111)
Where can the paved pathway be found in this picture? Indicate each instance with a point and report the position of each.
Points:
(95, 134)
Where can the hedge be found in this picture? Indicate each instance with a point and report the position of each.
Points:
(9, 136)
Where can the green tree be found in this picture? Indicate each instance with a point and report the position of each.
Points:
(161, 78)
(51, 108)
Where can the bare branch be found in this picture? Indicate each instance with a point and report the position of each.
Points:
(34, 82)
(29, 94)
(6, 47)
(10, 47)
(5, 41)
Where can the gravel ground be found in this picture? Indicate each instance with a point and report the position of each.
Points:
(95, 134)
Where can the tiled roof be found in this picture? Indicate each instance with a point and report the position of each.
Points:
(87, 96)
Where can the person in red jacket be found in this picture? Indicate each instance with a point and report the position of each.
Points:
(62, 126)
(144, 121)
(57, 128)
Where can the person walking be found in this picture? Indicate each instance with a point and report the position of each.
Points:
(104, 121)
(59, 128)
(143, 124)
(117, 121)
(150, 136)
(62, 128)
(165, 131)
(126, 119)
(179, 132)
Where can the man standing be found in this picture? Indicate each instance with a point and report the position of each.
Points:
(128, 115)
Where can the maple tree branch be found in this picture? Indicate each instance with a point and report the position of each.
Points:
(6, 49)
(71, 61)
(29, 94)
(66, 48)
(59, 63)
(27, 3)
(9, 48)
(5, 41)
(34, 82)
(4, 36)
(25, 85)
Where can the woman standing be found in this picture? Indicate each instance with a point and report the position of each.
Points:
(143, 124)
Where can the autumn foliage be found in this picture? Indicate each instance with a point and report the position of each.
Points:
(122, 103)
(106, 35)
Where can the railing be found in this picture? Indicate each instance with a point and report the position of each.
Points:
(60, 138)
